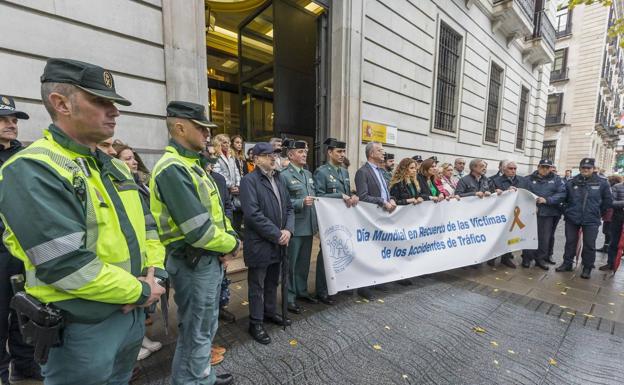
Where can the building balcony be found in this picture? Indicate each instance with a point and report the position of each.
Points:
(559, 76)
(512, 18)
(555, 120)
(540, 45)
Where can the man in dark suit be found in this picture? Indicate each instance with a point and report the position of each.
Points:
(372, 188)
(269, 223)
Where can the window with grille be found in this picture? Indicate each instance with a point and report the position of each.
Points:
(494, 104)
(559, 63)
(548, 149)
(563, 24)
(522, 118)
(553, 106)
(447, 82)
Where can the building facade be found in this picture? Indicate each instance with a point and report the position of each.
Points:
(448, 78)
(584, 102)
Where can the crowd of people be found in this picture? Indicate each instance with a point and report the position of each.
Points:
(100, 238)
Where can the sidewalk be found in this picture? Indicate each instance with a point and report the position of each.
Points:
(457, 327)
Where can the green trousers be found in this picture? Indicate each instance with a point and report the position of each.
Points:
(321, 281)
(299, 252)
(197, 294)
(97, 354)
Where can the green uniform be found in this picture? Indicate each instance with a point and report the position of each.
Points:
(330, 182)
(387, 175)
(187, 207)
(76, 220)
(300, 185)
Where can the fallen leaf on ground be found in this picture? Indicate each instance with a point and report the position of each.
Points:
(511, 351)
(238, 287)
(404, 376)
(507, 272)
(559, 283)
(387, 327)
(530, 278)
(611, 304)
(564, 293)
(552, 361)
(377, 347)
(494, 343)
(562, 320)
(478, 329)
(495, 362)
(293, 342)
(245, 303)
(497, 278)
(589, 315)
(380, 300)
(563, 306)
(365, 300)
(358, 301)
(495, 290)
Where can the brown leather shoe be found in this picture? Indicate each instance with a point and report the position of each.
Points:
(218, 349)
(215, 359)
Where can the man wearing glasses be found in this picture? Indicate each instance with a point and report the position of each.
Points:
(588, 197)
(508, 180)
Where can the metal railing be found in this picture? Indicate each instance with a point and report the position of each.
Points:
(557, 76)
(544, 29)
(556, 119)
(527, 6)
(564, 32)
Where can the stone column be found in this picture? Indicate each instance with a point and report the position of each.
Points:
(184, 33)
(346, 75)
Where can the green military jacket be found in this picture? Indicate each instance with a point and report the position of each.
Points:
(332, 182)
(299, 187)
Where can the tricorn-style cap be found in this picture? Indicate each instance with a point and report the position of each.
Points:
(433, 158)
(297, 144)
(545, 162)
(7, 107)
(334, 143)
(417, 158)
(262, 148)
(587, 162)
(90, 78)
(187, 110)
(388, 156)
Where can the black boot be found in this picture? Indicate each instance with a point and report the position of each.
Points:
(564, 267)
(259, 334)
(549, 260)
(539, 263)
(586, 272)
(526, 263)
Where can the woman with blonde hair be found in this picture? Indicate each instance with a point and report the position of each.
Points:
(449, 182)
(238, 152)
(226, 166)
(403, 186)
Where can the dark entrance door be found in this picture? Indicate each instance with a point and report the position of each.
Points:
(282, 49)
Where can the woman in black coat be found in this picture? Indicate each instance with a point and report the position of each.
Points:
(403, 186)
(427, 171)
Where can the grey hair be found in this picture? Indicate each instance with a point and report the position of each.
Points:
(474, 163)
(64, 89)
(369, 148)
(274, 140)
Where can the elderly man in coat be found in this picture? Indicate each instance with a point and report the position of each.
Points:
(269, 223)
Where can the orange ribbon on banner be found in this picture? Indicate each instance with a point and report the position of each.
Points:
(516, 220)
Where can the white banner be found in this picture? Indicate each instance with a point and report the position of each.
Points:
(364, 245)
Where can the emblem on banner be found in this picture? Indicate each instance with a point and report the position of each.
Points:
(340, 242)
(516, 220)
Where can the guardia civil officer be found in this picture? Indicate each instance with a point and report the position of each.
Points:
(85, 252)
(18, 354)
(588, 197)
(388, 166)
(331, 180)
(198, 237)
(300, 186)
(551, 192)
